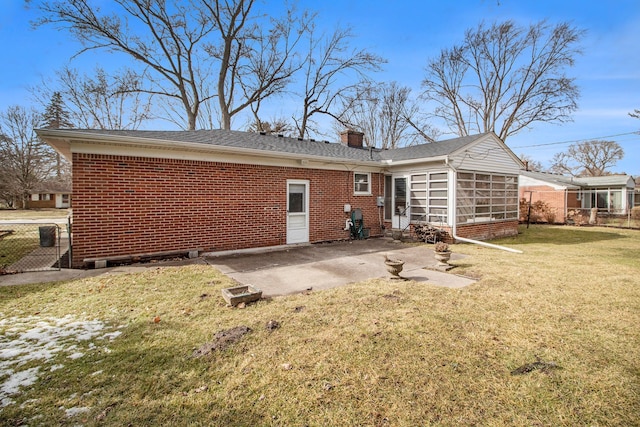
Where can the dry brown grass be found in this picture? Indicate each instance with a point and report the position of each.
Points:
(28, 214)
(373, 353)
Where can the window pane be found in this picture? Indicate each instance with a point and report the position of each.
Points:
(400, 186)
(418, 210)
(361, 182)
(438, 184)
(438, 176)
(616, 200)
(296, 198)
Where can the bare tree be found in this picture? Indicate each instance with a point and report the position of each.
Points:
(25, 161)
(327, 60)
(387, 115)
(531, 164)
(273, 127)
(590, 158)
(505, 78)
(167, 40)
(98, 100)
(183, 45)
(101, 101)
(257, 58)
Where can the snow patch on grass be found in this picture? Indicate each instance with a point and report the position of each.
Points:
(35, 338)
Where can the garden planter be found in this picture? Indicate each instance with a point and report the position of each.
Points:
(239, 294)
(442, 257)
(394, 267)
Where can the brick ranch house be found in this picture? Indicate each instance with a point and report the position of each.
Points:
(50, 195)
(610, 194)
(157, 192)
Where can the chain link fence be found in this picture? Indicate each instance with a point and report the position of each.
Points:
(33, 247)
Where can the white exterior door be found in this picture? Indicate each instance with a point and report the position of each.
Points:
(297, 211)
(400, 218)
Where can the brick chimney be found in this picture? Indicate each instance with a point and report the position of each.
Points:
(352, 138)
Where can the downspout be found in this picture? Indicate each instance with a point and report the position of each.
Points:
(455, 222)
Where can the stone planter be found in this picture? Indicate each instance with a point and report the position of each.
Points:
(238, 294)
(394, 267)
(442, 257)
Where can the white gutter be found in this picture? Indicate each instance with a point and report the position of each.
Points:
(391, 162)
(464, 239)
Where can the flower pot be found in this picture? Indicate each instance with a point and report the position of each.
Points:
(442, 257)
(394, 267)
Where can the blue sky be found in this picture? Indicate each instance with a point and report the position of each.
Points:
(407, 34)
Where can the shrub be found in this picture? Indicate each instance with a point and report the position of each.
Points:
(540, 211)
(441, 247)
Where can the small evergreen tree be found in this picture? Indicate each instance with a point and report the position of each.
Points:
(55, 116)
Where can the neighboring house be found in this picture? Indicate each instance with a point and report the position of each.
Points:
(613, 194)
(50, 196)
(153, 192)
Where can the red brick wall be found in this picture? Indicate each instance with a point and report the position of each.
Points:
(555, 199)
(134, 205)
(488, 230)
(41, 204)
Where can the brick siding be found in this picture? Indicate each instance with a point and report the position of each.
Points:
(132, 205)
(488, 230)
(555, 199)
(41, 204)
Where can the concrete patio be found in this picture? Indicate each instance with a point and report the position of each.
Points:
(291, 269)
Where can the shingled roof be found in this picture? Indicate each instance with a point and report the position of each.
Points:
(267, 143)
(577, 182)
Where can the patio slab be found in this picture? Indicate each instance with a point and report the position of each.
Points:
(324, 266)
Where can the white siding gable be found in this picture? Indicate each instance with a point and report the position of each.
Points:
(488, 155)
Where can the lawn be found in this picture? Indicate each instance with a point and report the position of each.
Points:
(29, 214)
(16, 241)
(549, 337)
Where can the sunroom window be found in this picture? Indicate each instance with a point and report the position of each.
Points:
(486, 197)
(429, 197)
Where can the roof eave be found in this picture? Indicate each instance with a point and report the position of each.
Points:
(54, 136)
(391, 162)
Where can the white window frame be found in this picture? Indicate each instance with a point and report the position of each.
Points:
(492, 196)
(356, 183)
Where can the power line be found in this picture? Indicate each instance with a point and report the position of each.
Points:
(578, 140)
